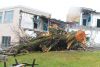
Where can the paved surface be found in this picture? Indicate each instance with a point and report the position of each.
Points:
(93, 48)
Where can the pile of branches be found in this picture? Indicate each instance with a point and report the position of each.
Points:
(54, 40)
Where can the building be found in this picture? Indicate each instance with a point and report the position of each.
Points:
(89, 20)
(21, 20)
(57, 23)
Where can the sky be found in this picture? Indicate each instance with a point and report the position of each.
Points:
(57, 8)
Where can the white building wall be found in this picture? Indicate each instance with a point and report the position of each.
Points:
(95, 17)
(81, 19)
(94, 34)
(7, 29)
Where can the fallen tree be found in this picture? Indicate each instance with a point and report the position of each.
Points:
(56, 39)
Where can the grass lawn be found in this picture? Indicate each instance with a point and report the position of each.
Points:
(60, 59)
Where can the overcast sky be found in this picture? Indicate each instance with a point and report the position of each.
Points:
(57, 8)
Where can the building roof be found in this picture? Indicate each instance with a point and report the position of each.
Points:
(59, 22)
(29, 10)
(89, 10)
(56, 21)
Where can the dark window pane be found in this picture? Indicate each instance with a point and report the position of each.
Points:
(8, 18)
(0, 17)
(98, 22)
(6, 41)
(84, 22)
(36, 21)
(45, 24)
(35, 25)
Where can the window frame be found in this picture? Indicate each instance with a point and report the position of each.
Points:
(98, 25)
(5, 17)
(6, 40)
(45, 24)
(1, 15)
(36, 21)
(84, 22)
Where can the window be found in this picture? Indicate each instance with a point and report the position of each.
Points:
(8, 18)
(89, 18)
(36, 22)
(87, 39)
(45, 24)
(98, 22)
(6, 41)
(0, 17)
(35, 25)
(84, 22)
(26, 21)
